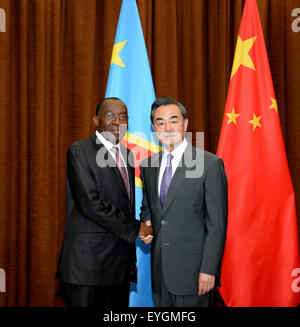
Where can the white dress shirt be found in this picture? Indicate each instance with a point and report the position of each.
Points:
(108, 145)
(177, 155)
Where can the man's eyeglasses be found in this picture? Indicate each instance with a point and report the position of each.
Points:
(111, 116)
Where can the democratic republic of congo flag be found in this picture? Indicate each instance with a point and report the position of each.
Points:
(130, 80)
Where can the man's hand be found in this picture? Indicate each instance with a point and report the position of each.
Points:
(145, 230)
(206, 283)
(147, 239)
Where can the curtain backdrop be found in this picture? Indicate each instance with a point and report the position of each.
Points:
(54, 63)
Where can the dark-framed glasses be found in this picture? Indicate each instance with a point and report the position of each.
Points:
(112, 116)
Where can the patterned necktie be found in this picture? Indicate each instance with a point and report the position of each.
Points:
(166, 180)
(122, 169)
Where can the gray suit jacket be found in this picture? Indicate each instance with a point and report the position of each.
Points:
(190, 231)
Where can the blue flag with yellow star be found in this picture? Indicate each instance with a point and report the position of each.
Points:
(130, 80)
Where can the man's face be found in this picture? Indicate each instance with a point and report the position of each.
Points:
(112, 120)
(169, 125)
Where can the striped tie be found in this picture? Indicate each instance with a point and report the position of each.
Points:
(122, 169)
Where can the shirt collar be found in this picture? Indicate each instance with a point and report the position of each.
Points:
(178, 151)
(105, 142)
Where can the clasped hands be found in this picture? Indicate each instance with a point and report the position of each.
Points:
(146, 232)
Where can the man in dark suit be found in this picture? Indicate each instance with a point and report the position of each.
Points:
(97, 259)
(185, 200)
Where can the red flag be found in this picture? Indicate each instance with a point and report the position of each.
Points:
(261, 250)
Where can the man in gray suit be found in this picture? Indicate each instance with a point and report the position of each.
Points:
(185, 201)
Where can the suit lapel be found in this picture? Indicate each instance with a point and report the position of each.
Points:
(131, 172)
(155, 165)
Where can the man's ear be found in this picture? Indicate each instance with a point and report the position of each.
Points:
(96, 121)
(186, 122)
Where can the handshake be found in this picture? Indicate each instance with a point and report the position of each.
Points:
(146, 232)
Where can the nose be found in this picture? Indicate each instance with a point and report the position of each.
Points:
(116, 120)
(168, 126)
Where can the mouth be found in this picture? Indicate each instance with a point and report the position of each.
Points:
(170, 136)
(113, 130)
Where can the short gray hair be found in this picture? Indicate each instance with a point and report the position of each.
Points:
(164, 101)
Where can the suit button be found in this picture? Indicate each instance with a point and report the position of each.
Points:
(164, 222)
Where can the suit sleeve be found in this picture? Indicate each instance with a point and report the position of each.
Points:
(216, 199)
(90, 204)
(145, 210)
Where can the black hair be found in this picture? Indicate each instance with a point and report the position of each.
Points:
(164, 101)
(104, 100)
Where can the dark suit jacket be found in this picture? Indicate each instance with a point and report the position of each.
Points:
(189, 232)
(99, 239)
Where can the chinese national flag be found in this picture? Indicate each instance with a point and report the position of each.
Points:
(262, 249)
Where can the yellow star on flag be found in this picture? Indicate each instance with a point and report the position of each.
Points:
(255, 121)
(241, 56)
(232, 117)
(274, 105)
(115, 57)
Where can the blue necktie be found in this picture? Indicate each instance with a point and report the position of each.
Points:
(166, 180)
